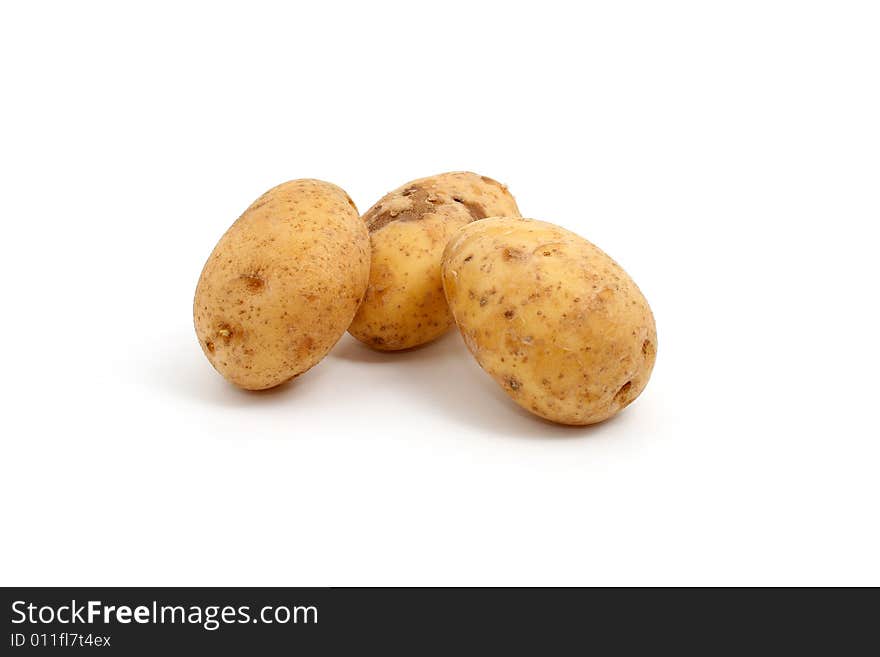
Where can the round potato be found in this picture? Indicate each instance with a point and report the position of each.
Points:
(555, 321)
(283, 283)
(409, 227)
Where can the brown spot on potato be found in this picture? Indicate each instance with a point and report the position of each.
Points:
(622, 396)
(510, 253)
(508, 314)
(476, 210)
(547, 249)
(253, 283)
(421, 200)
(306, 344)
(648, 349)
(483, 301)
(377, 293)
(513, 384)
(512, 343)
(209, 346)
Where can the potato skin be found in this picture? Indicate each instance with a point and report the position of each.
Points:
(404, 306)
(555, 321)
(282, 285)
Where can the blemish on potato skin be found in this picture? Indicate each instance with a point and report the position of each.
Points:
(510, 253)
(305, 346)
(253, 283)
(476, 210)
(351, 205)
(421, 202)
(621, 398)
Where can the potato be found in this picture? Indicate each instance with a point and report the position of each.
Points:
(282, 284)
(555, 321)
(409, 227)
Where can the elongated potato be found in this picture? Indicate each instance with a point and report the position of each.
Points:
(409, 227)
(282, 284)
(555, 321)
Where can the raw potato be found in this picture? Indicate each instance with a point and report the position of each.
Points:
(283, 284)
(409, 227)
(555, 321)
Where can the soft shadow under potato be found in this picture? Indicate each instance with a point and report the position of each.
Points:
(442, 377)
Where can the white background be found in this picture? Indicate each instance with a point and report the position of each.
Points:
(726, 154)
